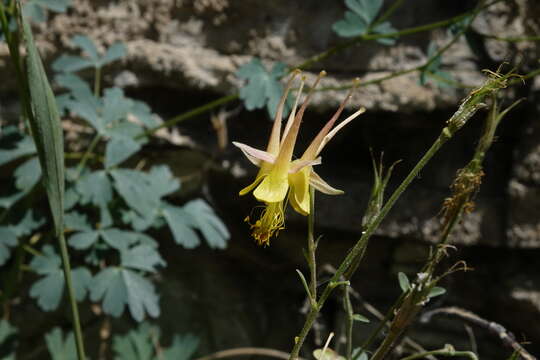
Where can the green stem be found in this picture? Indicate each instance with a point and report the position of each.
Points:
(87, 155)
(97, 82)
(383, 322)
(350, 319)
(312, 247)
(396, 5)
(191, 113)
(442, 352)
(71, 294)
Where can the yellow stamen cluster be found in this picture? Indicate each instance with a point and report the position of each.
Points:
(271, 221)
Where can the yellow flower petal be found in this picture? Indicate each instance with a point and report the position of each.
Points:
(250, 187)
(299, 194)
(273, 188)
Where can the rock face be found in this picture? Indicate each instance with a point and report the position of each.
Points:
(184, 53)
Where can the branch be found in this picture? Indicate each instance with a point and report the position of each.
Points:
(506, 336)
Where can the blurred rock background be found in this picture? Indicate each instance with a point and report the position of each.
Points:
(182, 54)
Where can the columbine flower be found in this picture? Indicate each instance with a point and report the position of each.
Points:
(278, 172)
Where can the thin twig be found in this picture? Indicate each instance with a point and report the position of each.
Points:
(446, 351)
(247, 351)
(494, 328)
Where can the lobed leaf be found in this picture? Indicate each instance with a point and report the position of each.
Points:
(263, 88)
(8, 240)
(118, 287)
(49, 289)
(61, 348)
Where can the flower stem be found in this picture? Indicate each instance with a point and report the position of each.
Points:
(312, 247)
(71, 295)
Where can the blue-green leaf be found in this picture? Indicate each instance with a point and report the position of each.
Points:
(95, 188)
(361, 20)
(182, 226)
(83, 240)
(82, 278)
(74, 83)
(143, 191)
(9, 201)
(367, 9)
(118, 239)
(352, 25)
(118, 287)
(120, 149)
(162, 180)
(27, 174)
(77, 221)
(142, 257)
(87, 45)
(213, 229)
(263, 87)
(113, 53)
(61, 348)
(25, 146)
(71, 63)
(49, 289)
(195, 215)
(137, 344)
(182, 348)
(385, 28)
(8, 239)
(8, 340)
(27, 224)
(35, 9)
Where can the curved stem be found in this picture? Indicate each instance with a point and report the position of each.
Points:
(442, 352)
(247, 351)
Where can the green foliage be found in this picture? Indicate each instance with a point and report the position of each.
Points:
(140, 344)
(433, 70)
(196, 215)
(404, 282)
(360, 318)
(60, 347)
(10, 233)
(17, 145)
(72, 63)
(358, 354)
(436, 291)
(8, 340)
(46, 129)
(49, 289)
(263, 88)
(37, 9)
(360, 19)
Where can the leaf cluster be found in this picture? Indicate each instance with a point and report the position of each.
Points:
(110, 208)
(361, 19)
